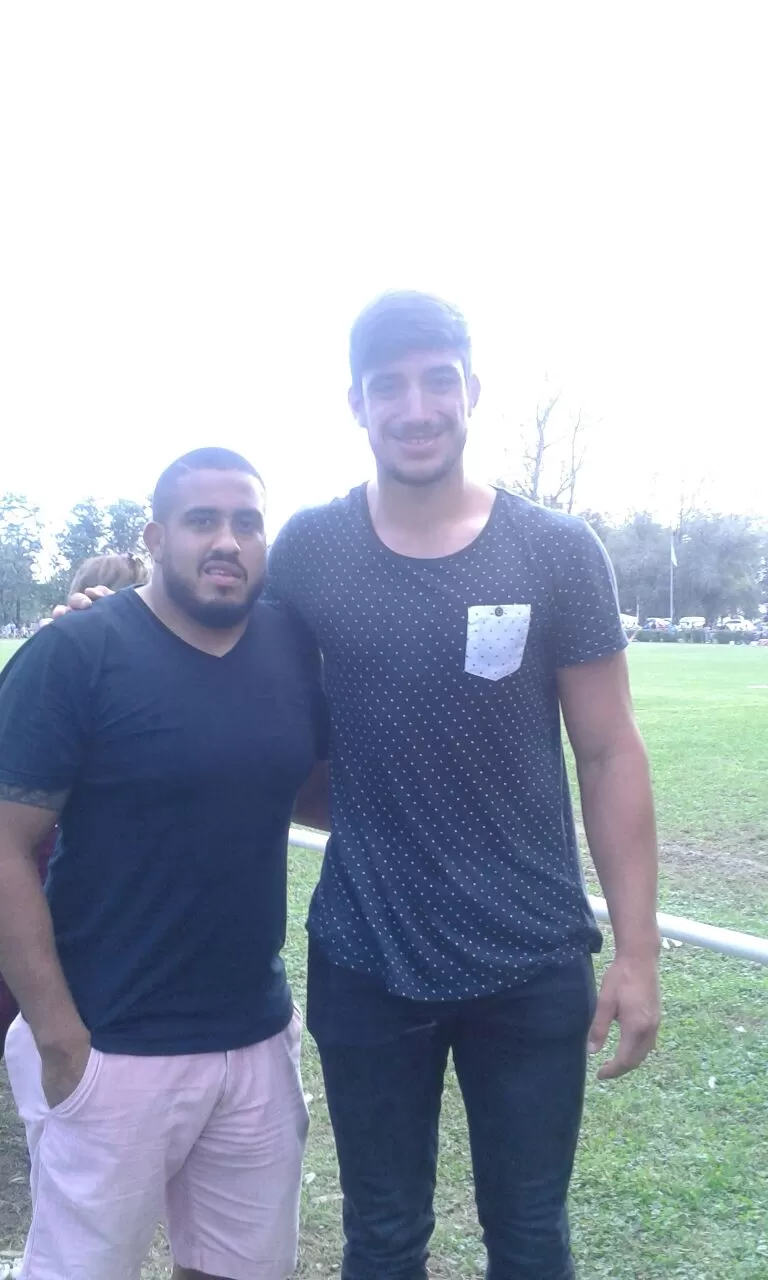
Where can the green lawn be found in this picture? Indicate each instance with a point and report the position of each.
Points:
(672, 1176)
(7, 647)
(704, 713)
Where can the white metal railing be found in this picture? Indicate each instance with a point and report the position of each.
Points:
(728, 942)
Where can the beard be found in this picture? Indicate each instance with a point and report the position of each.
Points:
(218, 615)
(423, 479)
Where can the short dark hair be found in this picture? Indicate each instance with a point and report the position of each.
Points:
(213, 459)
(399, 322)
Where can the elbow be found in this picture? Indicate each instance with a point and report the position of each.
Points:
(625, 746)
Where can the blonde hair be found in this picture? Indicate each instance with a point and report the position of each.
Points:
(113, 571)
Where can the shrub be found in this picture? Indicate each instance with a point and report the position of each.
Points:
(723, 636)
(694, 635)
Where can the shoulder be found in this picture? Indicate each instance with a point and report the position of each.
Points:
(273, 620)
(561, 540)
(554, 527)
(88, 628)
(61, 654)
(311, 546)
(281, 632)
(279, 624)
(307, 524)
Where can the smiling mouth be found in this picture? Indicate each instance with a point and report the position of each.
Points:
(417, 440)
(224, 573)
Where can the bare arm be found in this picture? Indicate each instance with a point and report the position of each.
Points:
(617, 805)
(28, 958)
(312, 807)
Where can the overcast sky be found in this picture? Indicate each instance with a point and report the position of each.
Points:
(197, 199)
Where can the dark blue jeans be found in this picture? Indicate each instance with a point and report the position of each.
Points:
(520, 1058)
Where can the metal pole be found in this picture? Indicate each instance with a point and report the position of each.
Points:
(728, 942)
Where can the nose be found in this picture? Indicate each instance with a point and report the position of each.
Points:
(225, 540)
(415, 408)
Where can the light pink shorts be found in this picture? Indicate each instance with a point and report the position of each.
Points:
(210, 1144)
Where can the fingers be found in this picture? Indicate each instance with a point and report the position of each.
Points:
(605, 1014)
(81, 600)
(633, 1048)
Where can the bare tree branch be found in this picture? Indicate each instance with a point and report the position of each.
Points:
(534, 478)
(535, 449)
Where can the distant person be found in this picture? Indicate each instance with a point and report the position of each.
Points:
(115, 571)
(156, 1065)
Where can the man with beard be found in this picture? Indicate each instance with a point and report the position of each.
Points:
(455, 622)
(156, 1060)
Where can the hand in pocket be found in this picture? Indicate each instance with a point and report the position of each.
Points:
(64, 1069)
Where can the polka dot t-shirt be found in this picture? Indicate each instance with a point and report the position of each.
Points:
(452, 869)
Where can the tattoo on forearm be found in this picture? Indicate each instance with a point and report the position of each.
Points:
(36, 799)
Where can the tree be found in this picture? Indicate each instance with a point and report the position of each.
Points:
(84, 534)
(546, 466)
(640, 552)
(20, 545)
(720, 562)
(600, 523)
(126, 526)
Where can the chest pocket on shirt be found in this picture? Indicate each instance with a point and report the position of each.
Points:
(496, 637)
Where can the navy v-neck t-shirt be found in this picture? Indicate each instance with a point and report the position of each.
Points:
(167, 889)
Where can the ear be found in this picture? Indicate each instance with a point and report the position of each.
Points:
(154, 540)
(356, 404)
(473, 391)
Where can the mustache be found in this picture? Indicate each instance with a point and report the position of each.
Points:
(413, 429)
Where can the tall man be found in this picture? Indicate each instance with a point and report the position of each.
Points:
(156, 1065)
(455, 623)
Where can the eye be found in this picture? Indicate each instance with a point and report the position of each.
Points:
(200, 520)
(385, 388)
(250, 525)
(442, 380)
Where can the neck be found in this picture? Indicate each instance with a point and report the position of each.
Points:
(429, 521)
(207, 639)
(413, 506)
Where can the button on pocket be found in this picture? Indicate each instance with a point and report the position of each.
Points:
(496, 638)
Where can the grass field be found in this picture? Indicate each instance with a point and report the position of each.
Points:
(7, 647)
(672, 1176)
